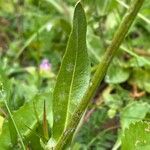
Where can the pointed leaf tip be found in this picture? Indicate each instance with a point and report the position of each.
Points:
(79, 8)
(78, 4)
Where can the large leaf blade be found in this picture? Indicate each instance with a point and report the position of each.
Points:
(74, 75)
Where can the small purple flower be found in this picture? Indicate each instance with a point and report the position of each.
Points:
(45, 65)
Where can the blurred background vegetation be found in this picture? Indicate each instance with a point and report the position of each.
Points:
(33, 36)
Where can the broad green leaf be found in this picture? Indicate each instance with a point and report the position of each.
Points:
(115, 99)
(117, 74)
(134, 112)
(137, 137)
(74, 74)
(25, 118)
(141, 77)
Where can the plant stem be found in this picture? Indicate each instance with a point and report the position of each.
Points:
(139, 14)
(101, 71)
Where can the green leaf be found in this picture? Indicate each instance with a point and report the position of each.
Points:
(134, 112)
(74, 75)
(117, 74)
(114, 96)
(141, 77)
(137, 137)
(24, 117)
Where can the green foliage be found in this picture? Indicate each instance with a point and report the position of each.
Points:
(97, 137)
(140, 110)
(27, 120)
(74, 75)
(117, 74)
(142, 78)
(137, 137)
(34, 30)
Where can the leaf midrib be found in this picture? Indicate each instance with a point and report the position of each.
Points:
(73, 75)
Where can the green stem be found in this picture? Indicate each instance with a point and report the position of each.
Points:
(139, 14)
(101, 71)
